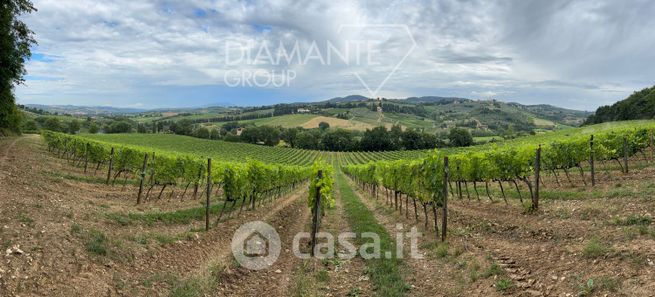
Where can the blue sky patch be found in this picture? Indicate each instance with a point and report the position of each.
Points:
(262, 27)
(39, 57)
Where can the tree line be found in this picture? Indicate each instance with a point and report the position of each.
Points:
(325, 138)
(639, 105)
(16, 39)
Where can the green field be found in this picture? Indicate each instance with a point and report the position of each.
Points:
(559, 135)
(485, 139)
(286, 121)
(219, 150)
(196, 114)
(240, 152)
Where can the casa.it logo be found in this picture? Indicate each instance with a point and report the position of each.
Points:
(256, 245)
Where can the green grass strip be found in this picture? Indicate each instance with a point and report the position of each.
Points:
(183, 216)
(384, 273)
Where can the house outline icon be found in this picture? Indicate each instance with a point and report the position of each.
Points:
(256, 245)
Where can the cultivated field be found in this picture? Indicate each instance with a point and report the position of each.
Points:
(240, 152)
(81, 220)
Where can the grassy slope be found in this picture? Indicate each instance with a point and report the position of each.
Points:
(238, 152)
(338, 123)
(286, 121)
(454, 112)
(196, 114)
(218, 150)
(384, 273)
(229, 151)
(308, 121)
(559, 135)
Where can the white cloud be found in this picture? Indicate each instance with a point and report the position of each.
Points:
(577, 54)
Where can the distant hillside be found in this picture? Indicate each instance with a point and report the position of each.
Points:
(486, 119)
(434, 99)
(430, 114)
(86, 110)
(554, 113)
(350, 98)
(640, 105)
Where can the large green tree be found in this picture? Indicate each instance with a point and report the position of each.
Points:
(460, 137)
(338, 140)
(639, 105)
(15, 42)
(376, 139)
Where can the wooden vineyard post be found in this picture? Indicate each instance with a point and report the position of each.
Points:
(625, 154)
(143, 177)
(459, 182)
(537, 168)
(316, 211)
(591, 161)
(444, 220)
(652, 148)
(111, 163)
(86, 157)
(153, 166)
(196, 183)
(209, 191)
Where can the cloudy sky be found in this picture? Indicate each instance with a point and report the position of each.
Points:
(155, 53)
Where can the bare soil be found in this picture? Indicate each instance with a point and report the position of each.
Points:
(58, 240)
(545, 253)
(58, 237)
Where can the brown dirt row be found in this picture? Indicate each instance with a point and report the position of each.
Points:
(434, 275)
(333, 276)
(275, 280)
(543, 253)
(550, 250)
(49, 224)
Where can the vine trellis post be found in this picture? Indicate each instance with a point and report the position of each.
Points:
(209, 191)
(625, 154)
(537, 168)
(316, 212)
(143, 177)
(591, 161)
(86, 156)
(652, 146)
(444, 220)
(111, 164)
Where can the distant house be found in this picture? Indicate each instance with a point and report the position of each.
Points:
(239, 131)
(379, 109)
(479, 125)
(303, 110)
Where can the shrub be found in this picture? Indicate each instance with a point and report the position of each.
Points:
(504, 284)
(594, 249)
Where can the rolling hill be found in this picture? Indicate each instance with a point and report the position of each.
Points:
(86, 110)
(432, 114)
(639, 105)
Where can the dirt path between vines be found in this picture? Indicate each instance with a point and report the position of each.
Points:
(7, 148)
(291, 276)
(545, 253)
(216, 243)
(432, 275)
(275, 280)
(333, 275)
(347, 276)
(49, 225)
